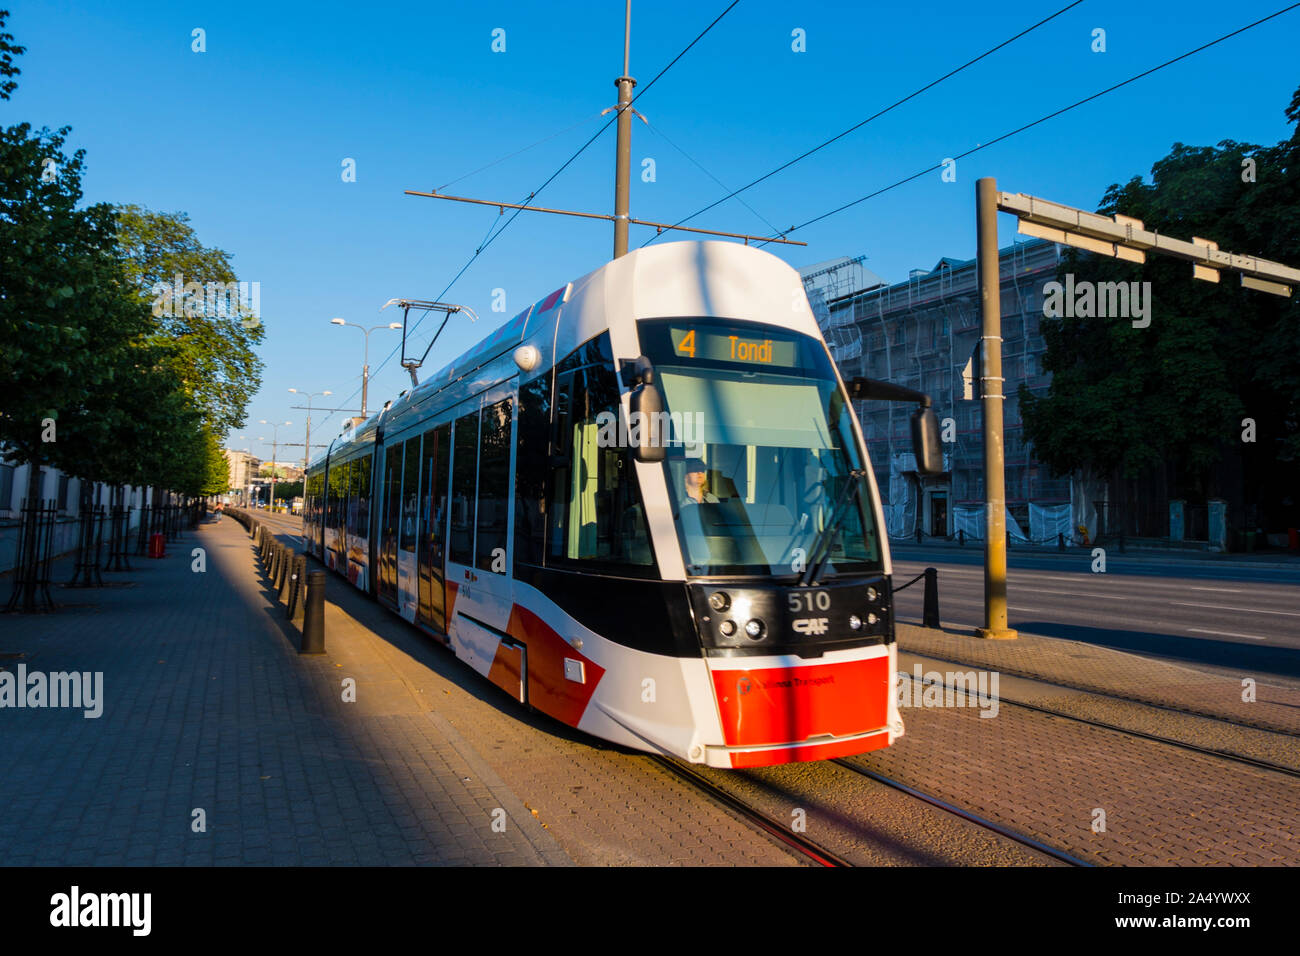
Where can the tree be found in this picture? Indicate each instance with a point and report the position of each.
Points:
(7, 53)
(214, 334)
(1171, 398)
(65, 313)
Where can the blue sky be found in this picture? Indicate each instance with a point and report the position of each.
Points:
(249, 136)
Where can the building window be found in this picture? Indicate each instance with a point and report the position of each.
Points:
(6, 489)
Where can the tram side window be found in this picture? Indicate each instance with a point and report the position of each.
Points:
(345, 495)
(332, 500)
(531, 466)
(392, 492)
(597, 517)
(410, 495)
(433, 492)
(493, 488)
(464, 468)
(359, 497)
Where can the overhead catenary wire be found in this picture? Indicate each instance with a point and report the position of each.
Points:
(659, 132)
(491, 236)
(1037, 122)
(892, 106)
(497, 162)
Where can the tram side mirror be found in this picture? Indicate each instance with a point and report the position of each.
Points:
(925, 442)
(646, 407)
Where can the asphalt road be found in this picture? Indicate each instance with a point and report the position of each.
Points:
(1238, 615)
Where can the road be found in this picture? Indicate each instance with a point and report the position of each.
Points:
(1233, 615)
(1200, 612)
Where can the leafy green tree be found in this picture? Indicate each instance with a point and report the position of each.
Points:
(65, 311)
(215, 337)
(8, 50)
(288, 490)
(1127, 402)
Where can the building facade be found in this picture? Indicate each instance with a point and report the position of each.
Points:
(922, 333)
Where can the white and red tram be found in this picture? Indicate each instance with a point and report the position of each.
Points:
(642, 506)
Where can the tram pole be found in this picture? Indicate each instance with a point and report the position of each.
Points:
(995, 539)
(623, 149)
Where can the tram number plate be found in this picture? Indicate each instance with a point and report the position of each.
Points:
(800, 601)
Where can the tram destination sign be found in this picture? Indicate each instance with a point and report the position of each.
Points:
(726, 345)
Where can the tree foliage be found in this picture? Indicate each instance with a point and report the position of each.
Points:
(8, 50)
(135, 395)
(1126, 400)
(214, 353)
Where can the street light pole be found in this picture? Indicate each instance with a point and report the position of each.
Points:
(275, 447)
(623, 145)
(365, 368)
(995, 497)
(306, 444)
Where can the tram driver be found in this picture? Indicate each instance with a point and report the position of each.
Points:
(697, 481)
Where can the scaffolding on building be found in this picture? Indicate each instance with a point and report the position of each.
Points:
(920, 333)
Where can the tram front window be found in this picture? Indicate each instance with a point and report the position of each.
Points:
(761, 449)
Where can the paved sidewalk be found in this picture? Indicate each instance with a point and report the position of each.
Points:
(209, 713)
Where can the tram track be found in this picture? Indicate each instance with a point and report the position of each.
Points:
(1141, 734)
(967, 815)
(807, 848)
(1096, 692)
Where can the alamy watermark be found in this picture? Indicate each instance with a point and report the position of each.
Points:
(660, 429)
(950, 689)
(74, 689)
(212, 299)
(1102, 300)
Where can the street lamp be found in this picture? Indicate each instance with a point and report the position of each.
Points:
(365, 368)
(306, 442)
(275, 447)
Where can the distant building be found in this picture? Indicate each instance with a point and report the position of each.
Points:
(243, 466)
(921, 333)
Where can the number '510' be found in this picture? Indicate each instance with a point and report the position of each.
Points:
(808, 601)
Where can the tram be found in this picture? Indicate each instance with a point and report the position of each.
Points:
(643, 506)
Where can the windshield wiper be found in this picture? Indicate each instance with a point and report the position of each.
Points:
(821, 549)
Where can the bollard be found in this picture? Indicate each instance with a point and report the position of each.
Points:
(297, 571)
(930, 615)
(918, 535)
(313, 621)
(1060, 541)
(961, 537)
(286, 568)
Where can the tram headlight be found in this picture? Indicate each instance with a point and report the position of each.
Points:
(719, 601)
(871, 594)
(727, 628)
(855, 622)
(754, 628)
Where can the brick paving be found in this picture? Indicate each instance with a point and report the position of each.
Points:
(1201, 690)
(606, 806)
(1045, 777)
(207, 706)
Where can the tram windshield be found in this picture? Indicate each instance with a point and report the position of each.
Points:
(760, 449)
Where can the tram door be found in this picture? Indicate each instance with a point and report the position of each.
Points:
(407, 536)
(433, 528)
(387, 524)
(479, 581)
